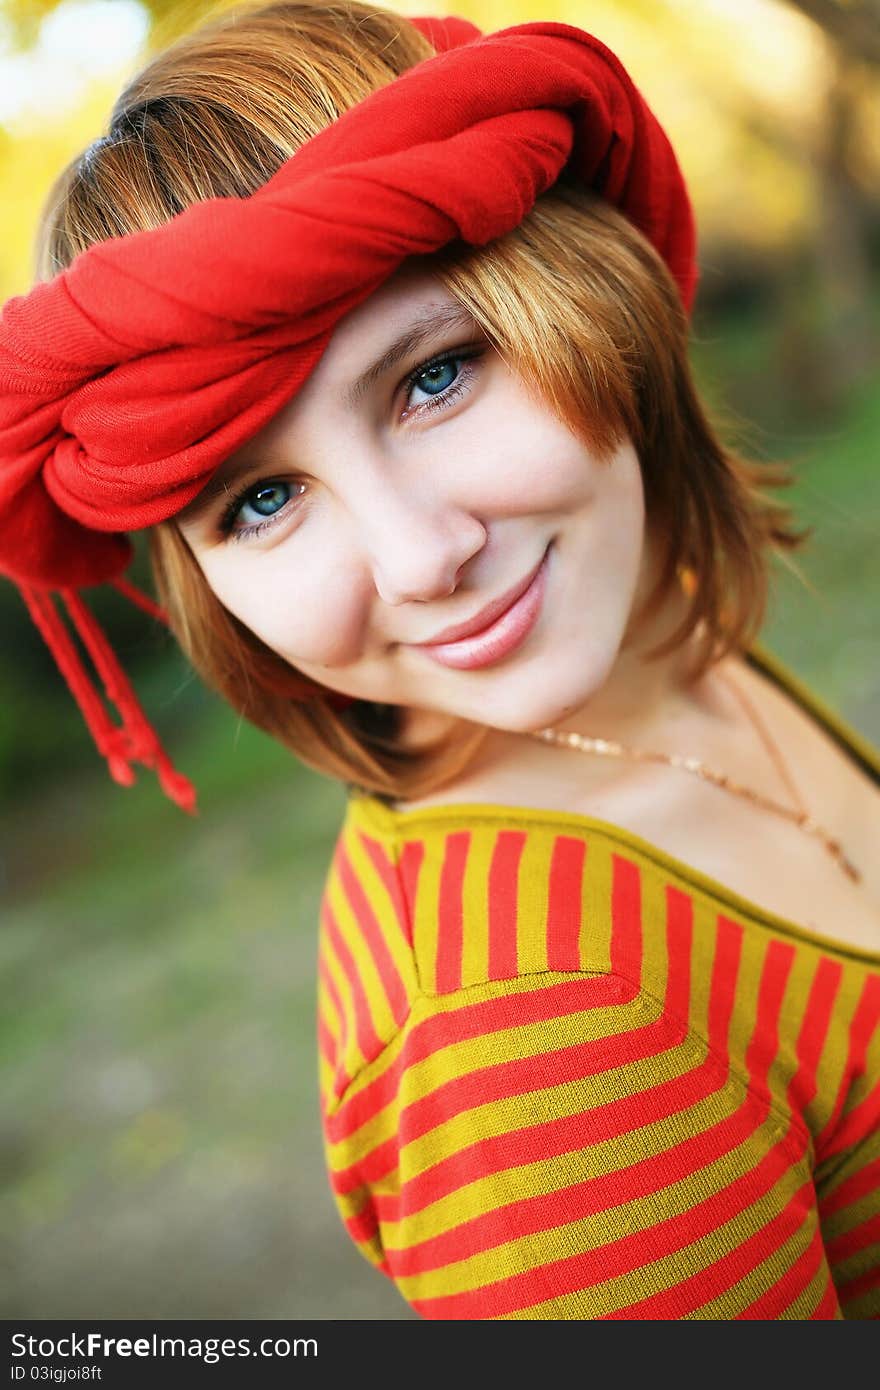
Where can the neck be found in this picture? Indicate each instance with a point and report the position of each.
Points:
(641, 693)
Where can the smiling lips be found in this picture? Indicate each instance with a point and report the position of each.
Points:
(499, 629)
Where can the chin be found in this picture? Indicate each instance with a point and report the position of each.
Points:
(525, 708)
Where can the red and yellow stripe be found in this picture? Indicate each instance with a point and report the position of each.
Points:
(561, 1079)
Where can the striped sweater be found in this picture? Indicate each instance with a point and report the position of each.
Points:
(564, 1075)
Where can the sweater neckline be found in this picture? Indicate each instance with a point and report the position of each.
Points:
(388, 820)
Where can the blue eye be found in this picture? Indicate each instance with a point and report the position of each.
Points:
(438, 376)
(443, 380)
(264, 501)
(267, 498)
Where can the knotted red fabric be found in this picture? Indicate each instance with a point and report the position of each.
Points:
(126, 380)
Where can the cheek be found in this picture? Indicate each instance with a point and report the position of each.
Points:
(302, 613)
(620, 518)
(515, 458)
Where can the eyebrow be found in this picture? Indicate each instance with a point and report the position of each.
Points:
(445, 318)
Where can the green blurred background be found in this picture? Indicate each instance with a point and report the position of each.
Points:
(161, 1133)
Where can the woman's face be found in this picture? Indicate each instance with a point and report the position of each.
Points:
(394, 505)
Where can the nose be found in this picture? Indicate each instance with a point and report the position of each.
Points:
(418, 549)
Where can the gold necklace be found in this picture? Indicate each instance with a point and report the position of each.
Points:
(798, 816)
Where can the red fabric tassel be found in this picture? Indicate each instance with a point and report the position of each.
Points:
(134, 740)
(139, 598)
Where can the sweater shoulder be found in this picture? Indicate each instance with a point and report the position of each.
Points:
(472, 895)
(417, 909)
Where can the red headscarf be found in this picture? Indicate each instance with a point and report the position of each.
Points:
(127, 379)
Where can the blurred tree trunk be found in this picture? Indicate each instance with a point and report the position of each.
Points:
(843, 242)
(853, 28)
(830, 341)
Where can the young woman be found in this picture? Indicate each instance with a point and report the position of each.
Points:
(381, 329)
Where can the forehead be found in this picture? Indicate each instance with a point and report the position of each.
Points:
(409, 293)
(410, 300)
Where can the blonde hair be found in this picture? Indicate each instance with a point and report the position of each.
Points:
(574, 299)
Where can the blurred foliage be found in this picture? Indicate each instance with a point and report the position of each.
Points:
(24, 17)
(161, 1142)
